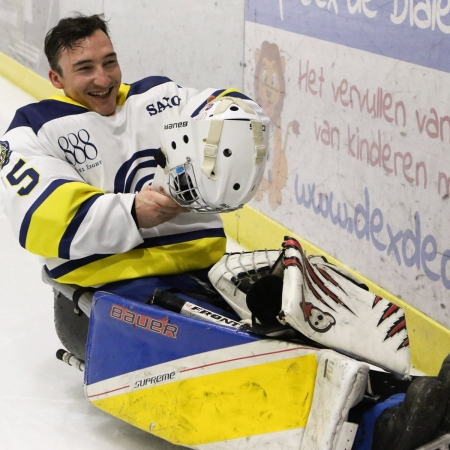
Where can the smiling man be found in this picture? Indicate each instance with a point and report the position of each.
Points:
(76, 170)
(88, 71)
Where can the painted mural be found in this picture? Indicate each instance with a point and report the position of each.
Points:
(269, 91)
(359, 157)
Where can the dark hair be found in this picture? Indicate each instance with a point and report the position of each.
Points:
(68, 33)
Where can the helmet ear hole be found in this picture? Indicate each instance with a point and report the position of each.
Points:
(185, 139)
(236, 186)
(234, 108)
(227, 152)
(174, 145)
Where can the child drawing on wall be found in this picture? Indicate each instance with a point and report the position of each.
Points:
(270, 93)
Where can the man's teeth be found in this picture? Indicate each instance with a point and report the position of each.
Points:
(99, 94)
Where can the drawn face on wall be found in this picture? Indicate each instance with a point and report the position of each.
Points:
(269, 80)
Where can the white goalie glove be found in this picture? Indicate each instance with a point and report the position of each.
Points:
(321, 301)
(236, 273)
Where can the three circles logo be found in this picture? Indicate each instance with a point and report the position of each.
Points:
(136, 172)
(77, 148)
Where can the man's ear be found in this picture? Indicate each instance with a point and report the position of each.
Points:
(55, 79)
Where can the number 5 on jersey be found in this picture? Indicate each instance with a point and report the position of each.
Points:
(15, 179)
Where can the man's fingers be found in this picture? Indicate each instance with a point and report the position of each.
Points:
(153, 208)
(166, 203)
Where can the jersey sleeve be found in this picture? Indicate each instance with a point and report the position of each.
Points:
(52, 211)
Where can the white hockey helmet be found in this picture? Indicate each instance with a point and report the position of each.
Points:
(215, 161)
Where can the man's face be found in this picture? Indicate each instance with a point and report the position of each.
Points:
(90, 73)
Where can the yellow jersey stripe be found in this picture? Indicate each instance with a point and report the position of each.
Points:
(141, 262)
(120, 101)
(122, 94)
(64, 99)
(55, 212)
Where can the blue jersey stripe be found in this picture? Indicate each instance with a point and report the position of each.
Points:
(36, 115)
(146, 84)
(183, 237)
(143, 181)
(120, 180)
(131, 175)
(66, 240)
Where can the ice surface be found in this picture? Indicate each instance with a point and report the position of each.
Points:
(42, 403)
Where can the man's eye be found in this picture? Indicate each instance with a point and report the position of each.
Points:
(83, 68)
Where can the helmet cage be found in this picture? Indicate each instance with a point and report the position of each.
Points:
(183, 188)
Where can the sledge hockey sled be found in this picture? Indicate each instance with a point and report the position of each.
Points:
(215, 385)
(205, 385)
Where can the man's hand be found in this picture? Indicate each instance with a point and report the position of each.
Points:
(154, 208)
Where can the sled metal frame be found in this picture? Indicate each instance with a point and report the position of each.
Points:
(68, 290)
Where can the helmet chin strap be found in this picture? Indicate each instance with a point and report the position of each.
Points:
(215, 131)
(210, 150)
(258, 140)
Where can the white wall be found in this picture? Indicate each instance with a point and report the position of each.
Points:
(199, 43)
(196, 43)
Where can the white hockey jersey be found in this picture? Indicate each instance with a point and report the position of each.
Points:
(68, 180)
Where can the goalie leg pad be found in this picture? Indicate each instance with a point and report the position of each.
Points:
(340, 384)
(328, 306)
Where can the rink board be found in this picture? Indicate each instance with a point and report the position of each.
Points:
(194, 383)
(255, 231)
